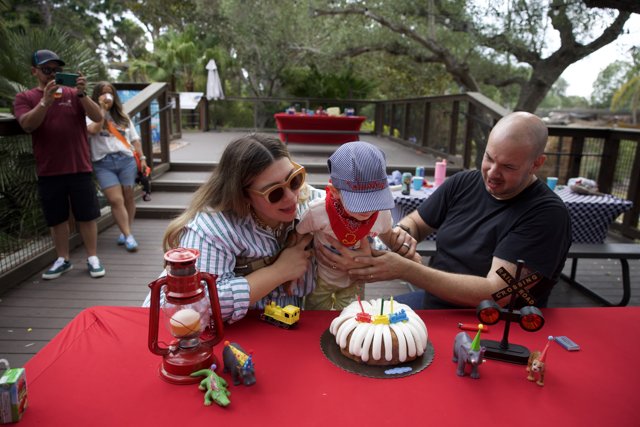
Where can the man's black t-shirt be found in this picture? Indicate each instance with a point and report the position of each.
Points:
(473, 227)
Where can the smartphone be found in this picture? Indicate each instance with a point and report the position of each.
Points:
(66, 79)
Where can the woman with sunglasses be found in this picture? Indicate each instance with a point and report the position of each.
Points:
(240, 221)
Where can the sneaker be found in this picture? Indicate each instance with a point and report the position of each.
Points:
(121, 239)
(130, 244)
(58, 268)
(95, 268)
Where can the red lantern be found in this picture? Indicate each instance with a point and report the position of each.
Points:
(194, 321)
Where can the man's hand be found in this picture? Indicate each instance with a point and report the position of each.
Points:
(48, 93)
(401, 242)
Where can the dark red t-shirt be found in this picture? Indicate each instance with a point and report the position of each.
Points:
(60, 143)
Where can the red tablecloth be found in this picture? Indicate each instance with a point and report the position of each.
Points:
(99, 372)
(302, 122)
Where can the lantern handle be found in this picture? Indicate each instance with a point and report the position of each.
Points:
(216, 315)
(154, 316)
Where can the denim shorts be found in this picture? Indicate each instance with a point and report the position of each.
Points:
(116, 169)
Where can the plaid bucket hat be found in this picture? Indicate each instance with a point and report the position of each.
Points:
(359, 170)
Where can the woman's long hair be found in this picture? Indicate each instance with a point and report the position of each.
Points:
(117, 113)
(242, 160)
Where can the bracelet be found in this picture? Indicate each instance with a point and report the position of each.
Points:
(143, 157)
(404, 227)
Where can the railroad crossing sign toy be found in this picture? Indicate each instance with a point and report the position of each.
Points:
(529, 317)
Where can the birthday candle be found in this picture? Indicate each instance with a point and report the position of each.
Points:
(360, 302)
(391, 306)
(381, 305)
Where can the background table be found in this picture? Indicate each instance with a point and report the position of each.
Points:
(591, 216)
(99, 372)
(333, 124)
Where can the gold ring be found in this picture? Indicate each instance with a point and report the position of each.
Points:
(333, 266)
(406, 245)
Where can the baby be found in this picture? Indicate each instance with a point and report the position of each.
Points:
(357, 205)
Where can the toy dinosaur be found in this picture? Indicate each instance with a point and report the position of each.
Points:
(214, 386)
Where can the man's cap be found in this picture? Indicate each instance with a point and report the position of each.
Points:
(359, 170)
(43, 56)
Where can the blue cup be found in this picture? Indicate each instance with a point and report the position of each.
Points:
(552, 181)
(417, 182)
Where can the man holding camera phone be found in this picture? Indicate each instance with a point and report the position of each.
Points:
(54, 115)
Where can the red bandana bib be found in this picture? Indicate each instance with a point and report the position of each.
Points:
(347, 229)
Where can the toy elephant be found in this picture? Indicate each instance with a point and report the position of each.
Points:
(468, 352)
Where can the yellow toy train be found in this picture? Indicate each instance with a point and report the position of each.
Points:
(286, 317)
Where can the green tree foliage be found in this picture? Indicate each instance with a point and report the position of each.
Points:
(512, 51)
(81, 19)
(479, 44)
(179, 58)
(310, 82)
(15, 57)
(628, 95)
(609, 80)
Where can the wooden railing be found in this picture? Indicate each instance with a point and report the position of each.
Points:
(139, 108)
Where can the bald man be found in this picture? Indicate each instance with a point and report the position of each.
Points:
(486, 219)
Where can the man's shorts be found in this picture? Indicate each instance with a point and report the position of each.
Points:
(116, 169)
(59, 192)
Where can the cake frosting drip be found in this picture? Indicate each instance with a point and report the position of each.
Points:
(367, 341)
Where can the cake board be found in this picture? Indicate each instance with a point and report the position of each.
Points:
(331, 350)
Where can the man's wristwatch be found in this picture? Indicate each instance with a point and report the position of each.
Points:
(80, 94)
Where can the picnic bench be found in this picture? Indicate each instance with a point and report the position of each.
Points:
(623, 252)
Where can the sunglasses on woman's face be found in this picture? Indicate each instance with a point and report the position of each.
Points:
(275, 193)
(48, 70)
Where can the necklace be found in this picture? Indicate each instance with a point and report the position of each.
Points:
(275, 232)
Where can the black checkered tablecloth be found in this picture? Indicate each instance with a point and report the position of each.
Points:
(590, 215)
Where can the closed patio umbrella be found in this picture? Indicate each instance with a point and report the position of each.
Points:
(214, 86)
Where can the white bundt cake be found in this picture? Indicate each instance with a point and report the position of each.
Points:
(366, 335)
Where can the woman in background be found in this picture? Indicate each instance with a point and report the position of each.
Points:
(113, 141)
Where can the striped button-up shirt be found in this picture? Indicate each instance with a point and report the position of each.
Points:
(221, 237)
